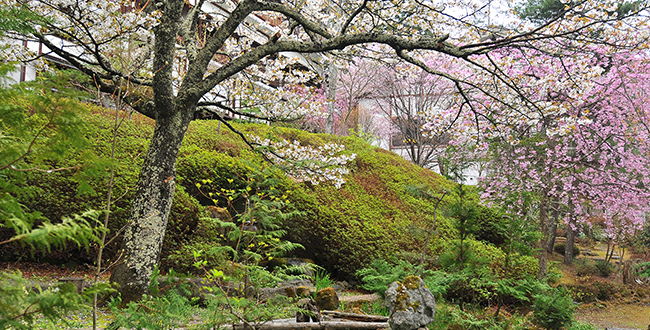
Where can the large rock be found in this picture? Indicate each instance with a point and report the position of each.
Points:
(411, 304)
(327, 299)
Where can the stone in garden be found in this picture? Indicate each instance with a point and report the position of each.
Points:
(303, 291)
(311, 311)
(411, 304)
(77, 281)
(327, 299)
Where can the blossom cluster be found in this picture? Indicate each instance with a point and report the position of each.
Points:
(326, 163)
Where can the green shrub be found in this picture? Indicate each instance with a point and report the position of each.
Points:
(581, 326)
(452, 318)
(553, 310)
(182, 259)
(605, 290)
(604, 268)
(490, 222)
(379, 276)
(492, 258)
(184, 227)
(643, 269)
(585, 267)
(596, 290)
(560, 247)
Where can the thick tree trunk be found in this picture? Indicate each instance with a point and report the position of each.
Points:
(150, 210)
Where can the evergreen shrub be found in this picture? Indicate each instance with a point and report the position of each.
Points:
(489, 224)
(553, 310)
(604, 268)
(560, 247)
(585, 267)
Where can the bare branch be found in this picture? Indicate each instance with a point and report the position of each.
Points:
(296, 16)
(353, 16)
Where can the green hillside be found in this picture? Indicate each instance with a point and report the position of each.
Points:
(370, 216)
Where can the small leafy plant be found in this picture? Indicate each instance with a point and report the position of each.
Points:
(321, 280)
(553, 309)
(381, 274)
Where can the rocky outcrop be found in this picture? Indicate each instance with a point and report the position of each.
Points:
(411, 304)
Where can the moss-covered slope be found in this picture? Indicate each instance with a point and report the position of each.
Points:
(370, 216)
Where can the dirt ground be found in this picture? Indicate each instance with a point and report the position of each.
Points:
(613, 315)
(620, 313)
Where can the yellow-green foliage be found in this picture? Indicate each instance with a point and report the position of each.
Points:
(371, 216)
(517, 267)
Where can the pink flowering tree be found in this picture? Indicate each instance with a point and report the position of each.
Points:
(587, 157)
(402, 103)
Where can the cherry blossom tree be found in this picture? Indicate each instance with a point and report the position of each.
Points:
(170, 58)
(354, 83)
(589, 160)
(408, 97)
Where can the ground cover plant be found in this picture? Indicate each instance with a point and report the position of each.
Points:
(352, 221)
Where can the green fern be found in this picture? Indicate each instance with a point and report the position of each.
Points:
(81, 230)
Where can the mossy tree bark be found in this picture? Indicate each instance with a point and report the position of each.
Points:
(144, 234)
(150, 209)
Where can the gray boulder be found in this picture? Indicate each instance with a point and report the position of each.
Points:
(411, 304)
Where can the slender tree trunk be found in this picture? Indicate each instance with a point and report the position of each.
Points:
(552, 234)
(568, 246)
(552, 230)
(433, 228)
(442, 167)
(543, 242)
(150, 210)
(331, 95)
